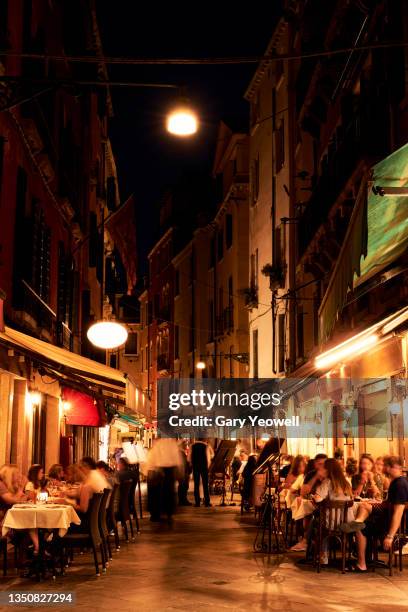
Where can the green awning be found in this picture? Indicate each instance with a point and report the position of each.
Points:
(387, 217)
(376, 236)
(130, 418)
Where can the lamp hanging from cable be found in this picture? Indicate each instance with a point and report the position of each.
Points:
(107, 334)
(182, 120)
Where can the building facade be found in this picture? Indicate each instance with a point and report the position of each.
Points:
(271, 261)
(58, 182)
(341, 309)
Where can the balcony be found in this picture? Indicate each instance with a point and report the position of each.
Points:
(32, 313)
(250, 297)
(363, 139)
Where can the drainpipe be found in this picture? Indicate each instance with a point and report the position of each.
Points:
(3, 296)
(193, 318)
(292, 229)
(215, 309)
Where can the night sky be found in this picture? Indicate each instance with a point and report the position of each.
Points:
(148, 159)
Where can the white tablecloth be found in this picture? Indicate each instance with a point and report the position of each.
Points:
(38, 516)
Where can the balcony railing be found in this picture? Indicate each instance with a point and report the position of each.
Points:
(32, 312)
(364, 137)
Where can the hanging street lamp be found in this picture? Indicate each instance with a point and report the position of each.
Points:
(107, 335)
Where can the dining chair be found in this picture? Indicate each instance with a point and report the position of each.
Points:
(103, 527)
(132, 504)
(139, 490)
(330, 515)
(400, 539)
(3, 547)
(90, 538)
(111, 513)
(123, 514)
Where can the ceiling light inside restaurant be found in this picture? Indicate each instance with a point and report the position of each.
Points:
(200, 365)
(107, 334)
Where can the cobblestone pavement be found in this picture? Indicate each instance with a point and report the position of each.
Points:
(205, 561)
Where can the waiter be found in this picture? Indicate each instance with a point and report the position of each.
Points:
(201, 454)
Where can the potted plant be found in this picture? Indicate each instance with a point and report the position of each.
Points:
(250, 296)
(276, 275)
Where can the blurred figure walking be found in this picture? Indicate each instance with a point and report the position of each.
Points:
(163, 467)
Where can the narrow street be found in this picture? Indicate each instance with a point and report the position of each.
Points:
(206, 562)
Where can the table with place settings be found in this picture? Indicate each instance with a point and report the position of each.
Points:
(40, 516)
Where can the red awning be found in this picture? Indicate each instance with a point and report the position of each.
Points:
(82, 409)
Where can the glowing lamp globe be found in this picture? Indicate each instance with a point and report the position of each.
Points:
(182, 121)
(107, 334)
(200, 365)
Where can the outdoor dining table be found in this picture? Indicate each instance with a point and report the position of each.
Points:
(40, 516)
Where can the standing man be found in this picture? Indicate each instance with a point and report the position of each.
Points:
(201, 454)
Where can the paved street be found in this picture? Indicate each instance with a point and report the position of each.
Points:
(206, 561)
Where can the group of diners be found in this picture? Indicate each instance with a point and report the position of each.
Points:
(377, 487)
(75, 485)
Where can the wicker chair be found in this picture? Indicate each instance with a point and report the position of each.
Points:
(132, 504)
(103, 527)
(123, 513)
(91, 538)
(330, 515)
(113, 508)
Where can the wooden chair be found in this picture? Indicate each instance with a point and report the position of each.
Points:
(3, 547)
(91, 538)
(400, 539)
(331, 514)
(394, 554)
(123, 514)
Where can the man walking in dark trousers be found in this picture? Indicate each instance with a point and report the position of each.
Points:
(201, 454)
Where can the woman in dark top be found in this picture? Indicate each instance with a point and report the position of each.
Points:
(363, 483)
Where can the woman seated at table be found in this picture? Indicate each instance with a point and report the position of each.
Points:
(56, 474)
(363, 483)
(36, 482)
(333, 488)
(296, 469)
(79, 495)
(11, 492)
(380, 478)
(294, 490)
